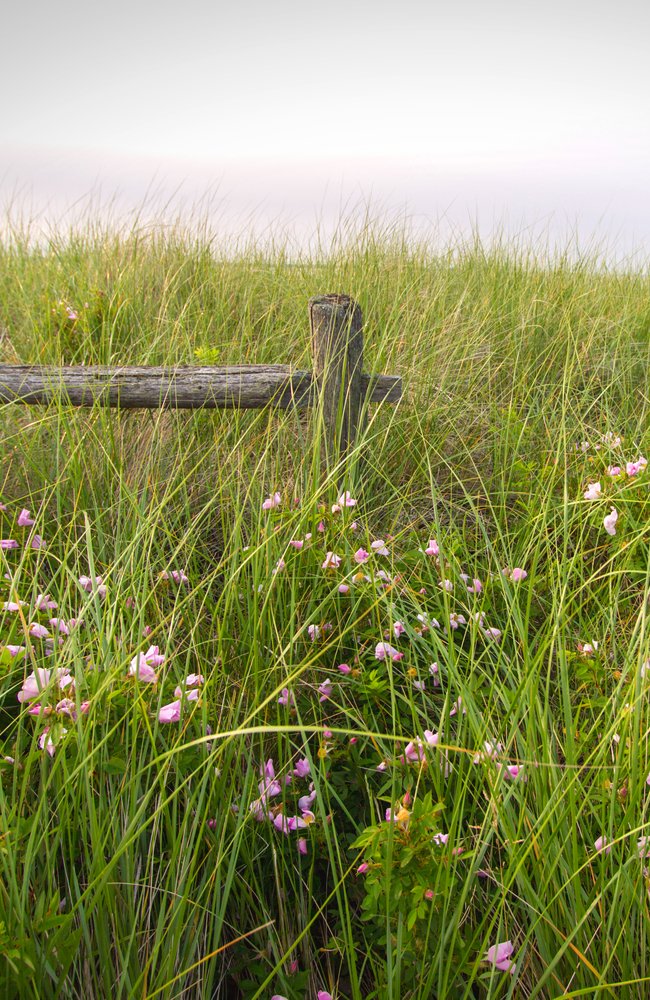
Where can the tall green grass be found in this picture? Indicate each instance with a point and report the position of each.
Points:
(132, 863)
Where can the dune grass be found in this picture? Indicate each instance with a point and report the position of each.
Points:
(150, 858)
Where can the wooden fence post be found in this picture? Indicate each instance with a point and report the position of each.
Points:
(337, 349)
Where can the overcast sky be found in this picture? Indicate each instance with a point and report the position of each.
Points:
(472, 112)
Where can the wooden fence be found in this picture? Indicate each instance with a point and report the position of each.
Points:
(337, 380)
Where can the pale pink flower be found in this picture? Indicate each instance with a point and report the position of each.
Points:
(13, 605)
(384, 649)
(512, 772)
(175, 575)
(476, 587)
(613, 470)
(354, 525)
(587, 648)
(45, 741)
(38, 631)
(603, 845)
(287, 698)
(345, 500)
(419, 685)
(24, 520)
(379, 547)
(325, 689)
(363, 868)
(440, 839)
(432, 549)
(633, 468)
(610, 522)
(492, 633)
(302, 845)
(344, 588)
(34, 684)
(446, 585)
(193, 680)
(297, 543)
(398, 629)
(89, 585)
(323, 995)
(435, 673)
(313, 631)
(456, 619)
(431, 738)
(142, 665)
(361, 556)
(593, 492)
(458, 707)
(36, 542)
(14, 650)
(60, 625)
(332, 561)
(273, 501)
(170, 712)
(518, 574)
(643, 847)
(344, 668)
(499, 956)
(45, 603)
(8, 543)
(302, 768)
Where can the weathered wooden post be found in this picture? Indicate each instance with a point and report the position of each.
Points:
(337, 348)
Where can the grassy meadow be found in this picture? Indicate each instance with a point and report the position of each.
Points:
(247, 753)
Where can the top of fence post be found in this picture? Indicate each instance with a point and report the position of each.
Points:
(337, 347)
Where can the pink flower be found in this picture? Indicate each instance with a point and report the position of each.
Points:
(273, 501)
(632, 468)
(398, 629)
(302, 845)
(363, 868)
(446, 585)
(476, 587)
(456, 619)
(434, 671)
(379, 547)
(345, 500)
(175, 575)
(332, 561)
(432, 549)
(14, 650)
(602, 844)
(325, 689)
(142, 665)
(38, 631)
(361, 556)
(344, 588)
(431, 738)
(492, 633)
(518, 575)
(24, 520)
(313, 631)
(440, 839)
(593, 492)
(46, 742)
(458, 706)
(610, 522)
(613, 470)
(8, 543)
(302, 768)
(297, 543)
(287, 698)
(344, 668)
(384, 649)
(36, 542)
(45, 603)
(13, 605)
(170, 713)
(499, 956)
(89, 585)
(323, 995)
(34, 684)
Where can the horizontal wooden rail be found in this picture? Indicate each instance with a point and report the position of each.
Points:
(246, 386)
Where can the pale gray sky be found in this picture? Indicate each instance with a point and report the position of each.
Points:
(467, 109)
